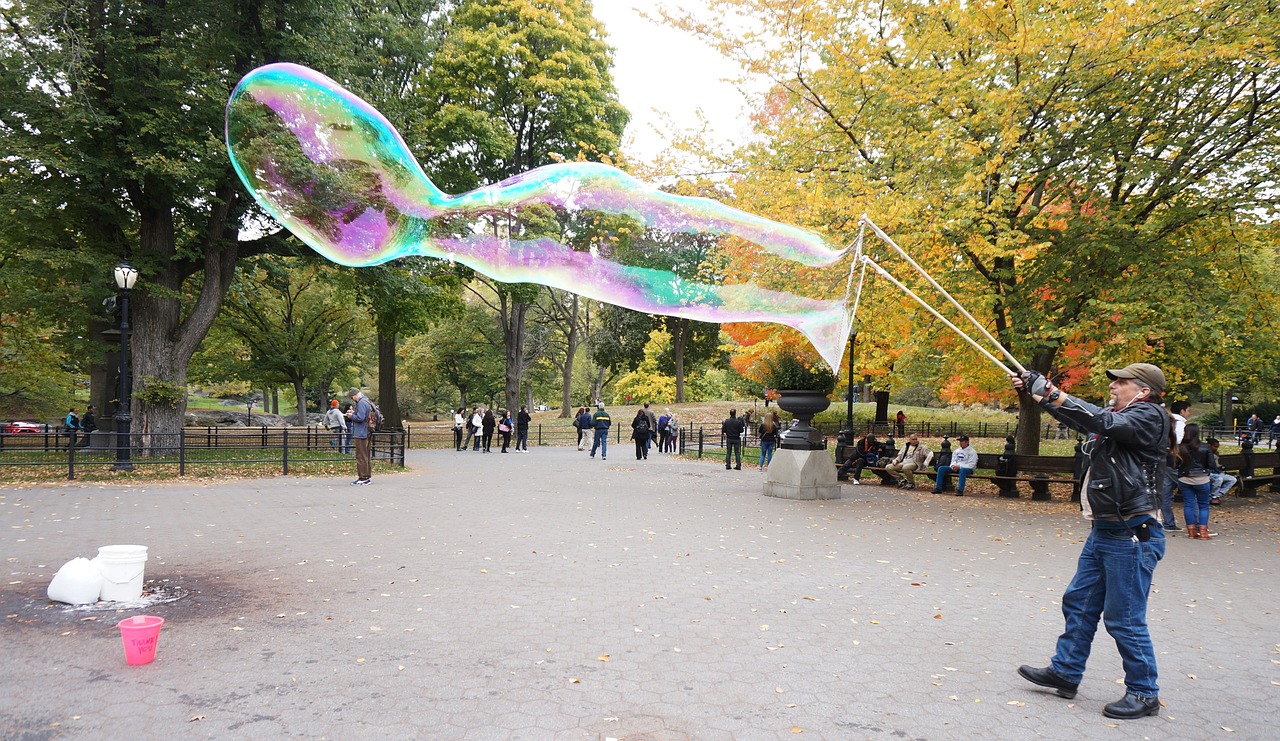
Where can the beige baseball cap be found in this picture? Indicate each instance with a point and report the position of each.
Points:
(1145, 374)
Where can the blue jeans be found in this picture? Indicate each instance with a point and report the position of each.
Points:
(522, 438)
(1195, 503)
(1166, 502)
(1113, 579)
(1220, 482)
(963, 473)
(602, 442)
(766, 452)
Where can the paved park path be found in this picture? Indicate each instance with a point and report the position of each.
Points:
(549, 596)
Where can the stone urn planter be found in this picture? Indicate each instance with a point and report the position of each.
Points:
(802, 404)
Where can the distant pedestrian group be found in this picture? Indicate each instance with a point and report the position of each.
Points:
(476, 430)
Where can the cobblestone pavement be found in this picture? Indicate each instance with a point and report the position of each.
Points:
(550, 596)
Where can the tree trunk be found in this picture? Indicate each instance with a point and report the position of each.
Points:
(300, 394)
(1027, 439)
(597, 388)
(388, 391)
(882, 407)
(513, 341)
(162, 341)
(572, 338)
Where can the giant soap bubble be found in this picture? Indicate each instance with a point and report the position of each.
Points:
(335, 172)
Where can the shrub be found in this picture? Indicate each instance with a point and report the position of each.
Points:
(790, 371)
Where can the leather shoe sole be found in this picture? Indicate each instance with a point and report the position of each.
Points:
(1047, 678)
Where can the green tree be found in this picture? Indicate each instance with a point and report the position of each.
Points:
(517, 84)
(112, 129)
(616, 338)
(294, 322)
(458, 352)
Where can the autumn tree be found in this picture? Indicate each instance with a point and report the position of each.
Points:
(1057, 166)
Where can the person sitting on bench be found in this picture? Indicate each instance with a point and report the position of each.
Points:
(865, 452)
(963, 463)
(913, 457)
(1220, 482)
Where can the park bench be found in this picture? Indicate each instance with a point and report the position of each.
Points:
(1006, 470)
(1248, 464)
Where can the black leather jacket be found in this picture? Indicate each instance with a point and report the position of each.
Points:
(1127, 454)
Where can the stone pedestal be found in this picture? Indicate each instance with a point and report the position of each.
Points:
(801, 474)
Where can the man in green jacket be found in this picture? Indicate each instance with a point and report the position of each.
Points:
(600, 422)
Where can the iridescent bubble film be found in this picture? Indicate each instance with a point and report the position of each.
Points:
(334, 171)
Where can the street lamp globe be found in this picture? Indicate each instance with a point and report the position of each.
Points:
(126, 276)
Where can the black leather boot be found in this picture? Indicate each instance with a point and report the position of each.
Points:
(1047, 677)
(1131, 706)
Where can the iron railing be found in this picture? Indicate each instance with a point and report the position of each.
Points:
(266, 448)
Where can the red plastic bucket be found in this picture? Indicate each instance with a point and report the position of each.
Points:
(140, 634)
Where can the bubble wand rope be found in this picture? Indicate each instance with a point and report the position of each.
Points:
(889, 240)
(868, 261)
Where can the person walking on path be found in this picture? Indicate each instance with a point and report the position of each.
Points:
(522, 429)
(964, 462)
(504, 429)
(346, 436)
(600, 422)
(337, 424)
(1195, 461)
(88, 425)
(731, 428)
(459, 424)
(487, 423)
(474, 427)
(72, 424)
(769, 429)
(673, 434)
(653, 427)
(358, 423)
(1179, 423)
(640, 433)
(1126, 449)
(585, 427)
(1271, 435)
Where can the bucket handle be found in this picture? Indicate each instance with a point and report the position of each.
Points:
(141, 571)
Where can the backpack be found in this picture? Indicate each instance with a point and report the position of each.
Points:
(642, 424)
(376, 420)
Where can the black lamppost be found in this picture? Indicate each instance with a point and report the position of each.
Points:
(126, 275)
(847, 435)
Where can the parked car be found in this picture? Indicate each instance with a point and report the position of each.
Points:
(22, 426)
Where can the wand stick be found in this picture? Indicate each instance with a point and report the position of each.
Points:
(889, 240)
(868, 261)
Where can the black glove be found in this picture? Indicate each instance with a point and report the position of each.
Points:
(1033, 383)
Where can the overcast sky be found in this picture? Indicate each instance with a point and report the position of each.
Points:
(660, 70)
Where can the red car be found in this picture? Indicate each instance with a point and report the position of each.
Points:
(19, 427)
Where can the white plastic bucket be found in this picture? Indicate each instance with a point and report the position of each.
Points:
(122, 567)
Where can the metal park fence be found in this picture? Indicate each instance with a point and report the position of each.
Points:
(263, 449)
(268, 450)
